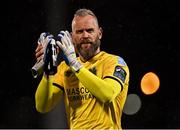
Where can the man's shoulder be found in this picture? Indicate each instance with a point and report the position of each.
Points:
(110, 55)
(106, 54)
(115, 57)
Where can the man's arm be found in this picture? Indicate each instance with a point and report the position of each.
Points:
(104, 89)
(47, 95)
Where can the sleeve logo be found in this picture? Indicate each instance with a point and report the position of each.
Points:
(120, 73)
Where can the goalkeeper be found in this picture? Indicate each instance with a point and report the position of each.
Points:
(94, 83)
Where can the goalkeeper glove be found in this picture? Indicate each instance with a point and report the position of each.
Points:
(66, 45)
(38, 67)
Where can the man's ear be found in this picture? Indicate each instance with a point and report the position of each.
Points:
(73, 42)
(100, 32)
(72, 36)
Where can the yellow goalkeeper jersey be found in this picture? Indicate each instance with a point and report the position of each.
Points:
(84, 110)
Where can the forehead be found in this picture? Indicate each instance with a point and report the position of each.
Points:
(80, 22)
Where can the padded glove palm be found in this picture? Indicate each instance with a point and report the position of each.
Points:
(66, 45)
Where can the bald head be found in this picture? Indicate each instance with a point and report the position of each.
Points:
(84, 13)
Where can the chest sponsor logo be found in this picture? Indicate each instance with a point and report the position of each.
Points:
(78, 94)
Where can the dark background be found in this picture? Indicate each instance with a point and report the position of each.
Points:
(144, 32)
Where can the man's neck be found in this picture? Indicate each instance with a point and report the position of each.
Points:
(86, 59)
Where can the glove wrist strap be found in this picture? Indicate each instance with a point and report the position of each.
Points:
(76, 66)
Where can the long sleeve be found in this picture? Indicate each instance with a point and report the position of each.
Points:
(104, 89)
(47, 95)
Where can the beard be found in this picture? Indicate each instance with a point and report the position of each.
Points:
(92, 49)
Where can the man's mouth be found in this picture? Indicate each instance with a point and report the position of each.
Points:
(86, 42)
(85, 45)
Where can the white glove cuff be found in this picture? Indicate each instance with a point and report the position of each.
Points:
(76, 66)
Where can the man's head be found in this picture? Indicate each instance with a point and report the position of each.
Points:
(86, 33)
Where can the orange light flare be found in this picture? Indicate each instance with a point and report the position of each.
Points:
(150, 83)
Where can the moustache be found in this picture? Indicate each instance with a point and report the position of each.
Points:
(86, 41)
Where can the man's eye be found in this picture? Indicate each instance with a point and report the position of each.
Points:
(79, 31)
(90, 30)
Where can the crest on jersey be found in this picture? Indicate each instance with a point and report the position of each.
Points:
(93, 70)
(120, 73)
(68, 73)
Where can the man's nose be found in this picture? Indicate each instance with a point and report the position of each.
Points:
(85, 34)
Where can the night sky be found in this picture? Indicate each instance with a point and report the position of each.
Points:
(145, 33)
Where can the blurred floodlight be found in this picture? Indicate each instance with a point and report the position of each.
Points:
(150, 83)
(132, 104)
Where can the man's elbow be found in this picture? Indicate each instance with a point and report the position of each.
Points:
(107, 98)
(41, 108)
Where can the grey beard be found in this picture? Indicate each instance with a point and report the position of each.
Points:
(88, 55)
